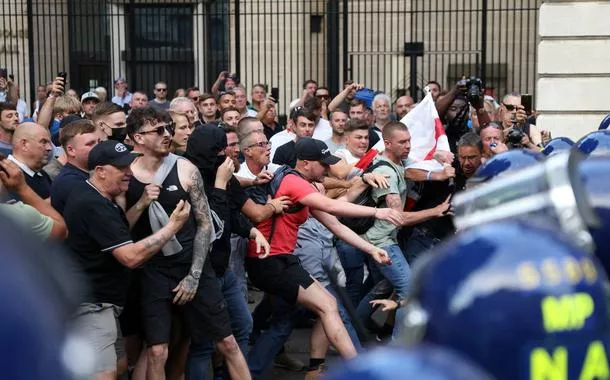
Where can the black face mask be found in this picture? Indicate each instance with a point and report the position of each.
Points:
(118, 134)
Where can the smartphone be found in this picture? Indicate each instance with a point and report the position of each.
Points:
(3, 73)
(63, 74)
(275, 93)
(526, 102)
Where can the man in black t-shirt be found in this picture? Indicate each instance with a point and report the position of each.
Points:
(303, 124)
(103, 249)
(183, 275)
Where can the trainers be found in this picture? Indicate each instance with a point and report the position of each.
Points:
(315, 374)
(285, 361)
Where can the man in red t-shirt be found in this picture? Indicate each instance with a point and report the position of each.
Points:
(280, 273)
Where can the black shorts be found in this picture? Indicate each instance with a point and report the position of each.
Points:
(206, 315)
(280, 275)
(131, 316)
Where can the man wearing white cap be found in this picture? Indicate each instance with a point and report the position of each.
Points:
(89, 100)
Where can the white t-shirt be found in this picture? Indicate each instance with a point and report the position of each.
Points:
(323, 130)
(280, 139)
(245, 172)
(347, 156)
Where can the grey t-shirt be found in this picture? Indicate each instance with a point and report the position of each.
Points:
(384, 233)
(28, 218)
(332, 146)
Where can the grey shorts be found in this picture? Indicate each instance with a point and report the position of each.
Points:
(98, 325)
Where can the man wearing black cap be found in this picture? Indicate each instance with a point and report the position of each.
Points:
(281, 274)
(103, 249)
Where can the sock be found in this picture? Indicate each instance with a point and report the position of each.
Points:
(315, 363)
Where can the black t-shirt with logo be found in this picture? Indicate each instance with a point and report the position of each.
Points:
(98, 226)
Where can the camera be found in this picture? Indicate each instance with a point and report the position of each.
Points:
(514, 138)
(474, 89)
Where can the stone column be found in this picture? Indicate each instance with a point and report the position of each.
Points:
(573, 66)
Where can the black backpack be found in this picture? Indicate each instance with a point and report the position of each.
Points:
(358, 224)
(260, 193)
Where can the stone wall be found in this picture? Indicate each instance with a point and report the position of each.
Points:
(573, 66)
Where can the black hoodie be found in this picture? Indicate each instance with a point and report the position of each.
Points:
(203, 149)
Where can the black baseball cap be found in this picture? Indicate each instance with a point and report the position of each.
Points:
(111, 152)
(314, 150)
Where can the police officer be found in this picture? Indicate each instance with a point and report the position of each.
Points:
(518, 299)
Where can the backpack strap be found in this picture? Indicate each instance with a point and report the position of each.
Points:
(382, 163)
(285, 170)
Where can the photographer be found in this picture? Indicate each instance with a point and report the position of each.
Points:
(517, 131)
(453, 108)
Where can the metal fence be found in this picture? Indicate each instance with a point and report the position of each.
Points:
(391, 45)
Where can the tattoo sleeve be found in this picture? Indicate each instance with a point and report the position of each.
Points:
(201, 209)
(393, 201)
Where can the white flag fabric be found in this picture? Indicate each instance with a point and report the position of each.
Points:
(427, 135)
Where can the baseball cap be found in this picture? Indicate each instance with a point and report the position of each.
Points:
(89, 95)
(314, 150)
(111, 153)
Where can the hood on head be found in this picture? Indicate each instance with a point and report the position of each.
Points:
(203, 146)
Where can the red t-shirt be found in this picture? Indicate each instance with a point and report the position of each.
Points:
(286, 225)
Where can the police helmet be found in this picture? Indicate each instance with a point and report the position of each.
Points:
(424, 362)
(605, 122)
(504, 163)
(516, 298)
(596, 143)
(556, 145)
(569, 190)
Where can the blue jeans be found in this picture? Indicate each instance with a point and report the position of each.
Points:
(239, 246)
(419, 242)
(353, 261)
(269, 343)
(200, 353)
(397, 274)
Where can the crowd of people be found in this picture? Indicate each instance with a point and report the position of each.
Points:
(170, 210)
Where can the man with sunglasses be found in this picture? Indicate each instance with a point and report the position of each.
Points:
(160, 100)
(179, 274)
(513, 115)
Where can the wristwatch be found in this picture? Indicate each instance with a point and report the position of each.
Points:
(195, 274)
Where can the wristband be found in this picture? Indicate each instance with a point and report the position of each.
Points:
(429, 176)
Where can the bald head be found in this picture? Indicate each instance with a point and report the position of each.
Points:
(32, 145)
(28, 130)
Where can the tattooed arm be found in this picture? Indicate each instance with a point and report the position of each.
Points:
(411, 218)
(135, 254)
(187, 288)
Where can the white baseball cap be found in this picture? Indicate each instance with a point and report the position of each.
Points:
(89, 95)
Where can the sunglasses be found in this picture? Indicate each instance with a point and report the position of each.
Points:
(262, 144)
(509, 107)
(161, 89)
(160, 130)
(323, 96)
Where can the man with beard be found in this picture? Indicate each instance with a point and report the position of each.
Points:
(9, 120)
(209, 150)
(179, 273)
